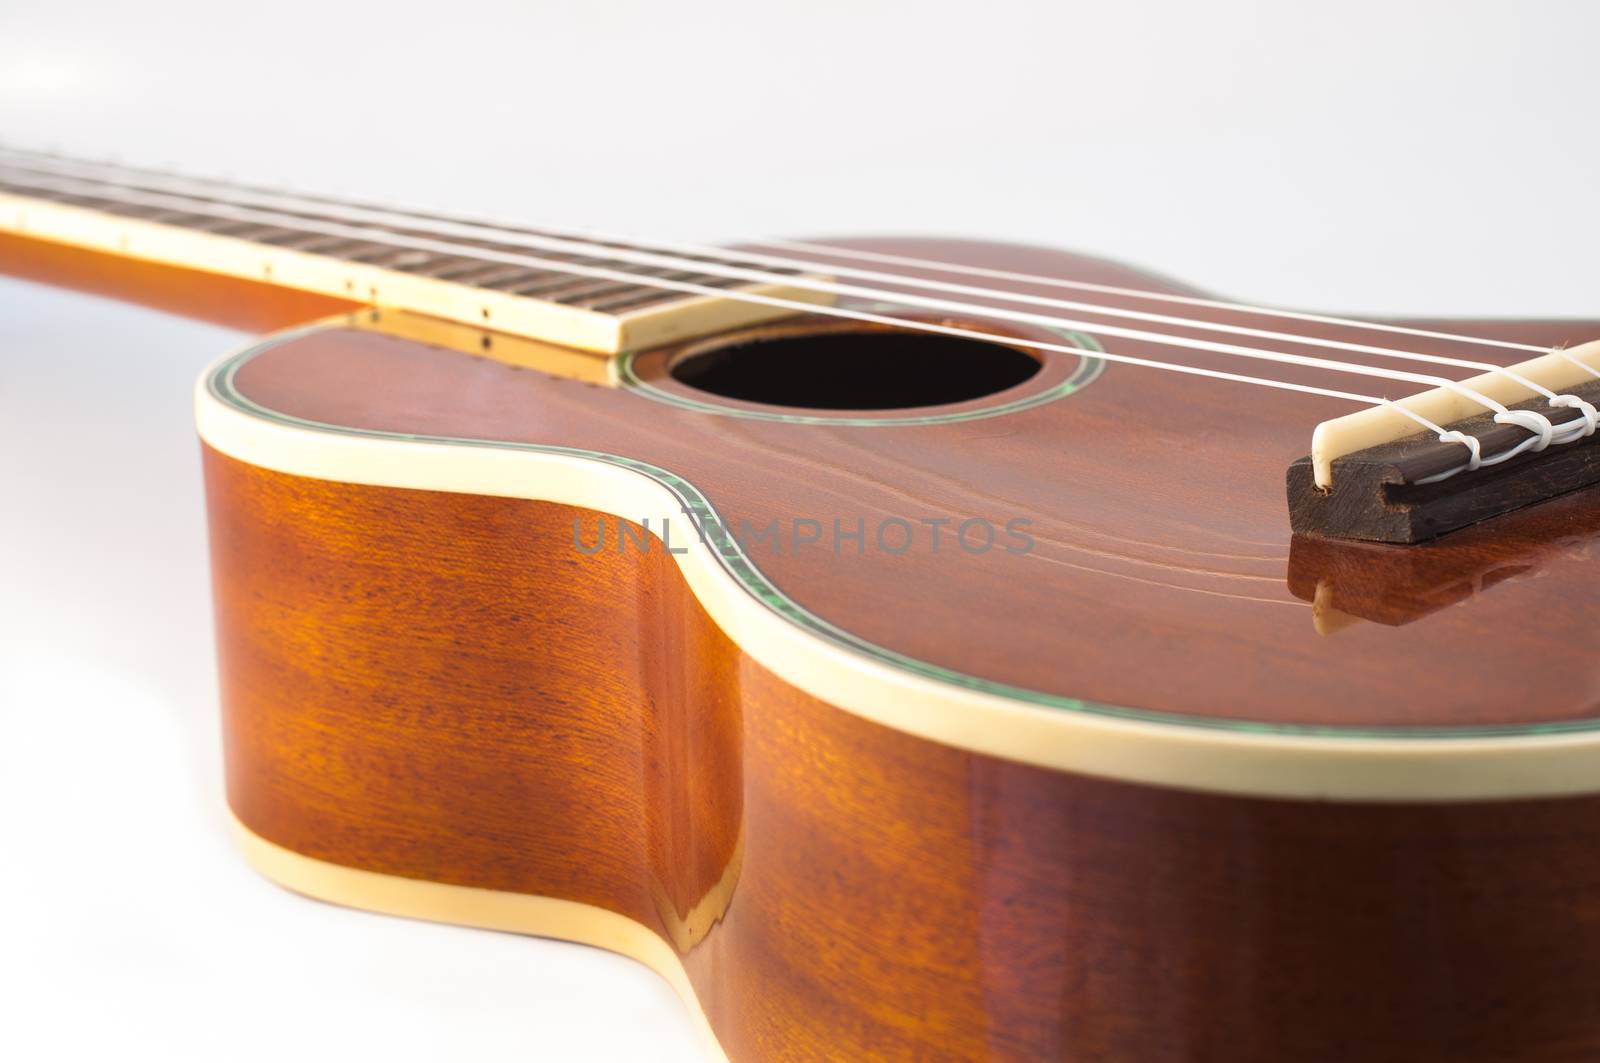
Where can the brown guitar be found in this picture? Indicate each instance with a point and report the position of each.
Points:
(911, 649)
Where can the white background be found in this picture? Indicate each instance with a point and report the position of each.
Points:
(1370, 157)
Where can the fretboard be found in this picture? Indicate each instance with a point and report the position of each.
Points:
(587, 301)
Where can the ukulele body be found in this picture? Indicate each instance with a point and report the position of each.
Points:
(1123, 794)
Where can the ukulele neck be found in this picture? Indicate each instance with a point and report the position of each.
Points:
(328, 248)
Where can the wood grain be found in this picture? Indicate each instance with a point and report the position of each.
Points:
(248, 305)
(1158, 576)
(1381, 494)
(1394, 587)
(437, 686)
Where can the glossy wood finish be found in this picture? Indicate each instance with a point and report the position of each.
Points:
(342, 252)
(1383, 585)
(1382, 493)
(1157, 580)
(439, 686)
(436, 686)
(240, 304)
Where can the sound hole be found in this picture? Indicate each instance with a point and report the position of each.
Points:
(856, 370)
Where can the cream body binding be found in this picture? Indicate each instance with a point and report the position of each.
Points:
(1173, 754)
(438, 902)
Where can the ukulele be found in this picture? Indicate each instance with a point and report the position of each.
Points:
(910, 649)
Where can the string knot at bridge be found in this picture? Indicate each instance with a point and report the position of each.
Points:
(1537, 423)
(1585, 409)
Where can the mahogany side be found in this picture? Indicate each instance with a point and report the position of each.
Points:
(436, 686)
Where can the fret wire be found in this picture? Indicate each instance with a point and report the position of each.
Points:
(638, 300)
(58, 165)
(494, 271)
(634, 276)
(572, 296)
(587, 300)
(393, 259)
(527, 287)
(291, 221)
(907, 299)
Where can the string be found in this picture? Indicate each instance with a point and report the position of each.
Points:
(1591, 370)
(753, 276)
(806, 247)
(741, 254)
(1543, 433)
(1539, 425)
(650, 256)
(602, 273)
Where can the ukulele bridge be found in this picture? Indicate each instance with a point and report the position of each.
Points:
(1381, 475)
